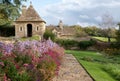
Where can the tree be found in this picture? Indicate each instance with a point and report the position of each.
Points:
(118, 34)
(79, 31)
(92, 30)
(9, 10)
(108, 23)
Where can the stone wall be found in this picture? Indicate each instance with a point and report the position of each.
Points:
(19, 30)
(38, 28)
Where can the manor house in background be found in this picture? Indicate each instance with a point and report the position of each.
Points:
(29, 23)
(61, 31)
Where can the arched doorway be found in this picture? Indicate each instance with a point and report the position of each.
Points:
(29, 30)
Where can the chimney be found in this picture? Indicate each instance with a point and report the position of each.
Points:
(61, 24)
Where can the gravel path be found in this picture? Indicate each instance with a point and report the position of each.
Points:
(71, 70)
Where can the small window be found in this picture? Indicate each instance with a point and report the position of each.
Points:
(21, 28)
(37, 28)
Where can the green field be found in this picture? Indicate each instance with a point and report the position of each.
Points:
(98, 65)
(104, 39)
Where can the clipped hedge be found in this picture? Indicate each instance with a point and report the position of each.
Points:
(72, 44)
(66, 43)
(85, 44)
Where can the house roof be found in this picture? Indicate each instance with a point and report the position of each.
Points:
(30, 15)
(51, 28)
(64, 31)
(68, 31)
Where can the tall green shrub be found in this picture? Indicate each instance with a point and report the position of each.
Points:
(48, 34)
(85, 44)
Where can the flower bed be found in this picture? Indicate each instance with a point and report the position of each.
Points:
(30, 61)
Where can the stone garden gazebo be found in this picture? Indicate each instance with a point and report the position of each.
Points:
(29, 23)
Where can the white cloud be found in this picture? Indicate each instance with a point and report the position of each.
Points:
(69, 11)
(76, 4)
(84, 24)
(84, 16)
(98, 18)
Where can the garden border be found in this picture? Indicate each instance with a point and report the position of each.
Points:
(85, 69)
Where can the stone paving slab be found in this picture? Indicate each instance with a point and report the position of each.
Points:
(71, 70)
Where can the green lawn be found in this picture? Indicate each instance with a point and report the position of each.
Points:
(36, 37)
(94, 62)
(104, 39)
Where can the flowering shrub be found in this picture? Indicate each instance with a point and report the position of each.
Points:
(30, 61)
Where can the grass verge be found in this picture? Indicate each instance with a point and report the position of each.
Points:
(95, 63)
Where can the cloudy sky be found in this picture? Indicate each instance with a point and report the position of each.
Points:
(72, 12)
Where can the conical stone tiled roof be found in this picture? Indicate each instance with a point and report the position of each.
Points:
(30, 15)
